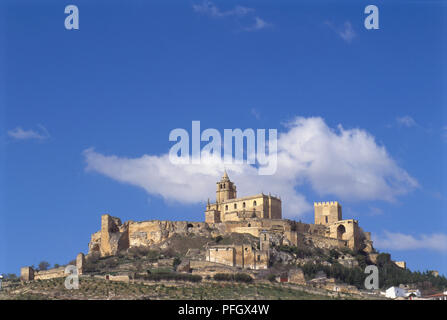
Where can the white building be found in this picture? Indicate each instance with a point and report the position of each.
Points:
(413, 293)
(395, 292)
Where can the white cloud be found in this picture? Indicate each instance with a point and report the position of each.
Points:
(256, 113)
(239, 12)
(374, 211)
(258, 25)
(346, 164)
(444, 133)
(346, 32)
(209, 8)
(400, 241)
(21, 134)
(406, 121)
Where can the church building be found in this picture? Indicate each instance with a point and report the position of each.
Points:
(229, 207)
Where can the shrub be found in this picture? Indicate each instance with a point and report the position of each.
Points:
(176, 262)
(243, 277)
(298, 252)
(389, 274)
(271, 278)
(140, 252)
(171, 276)
(238, 277)
(43, 265)
(334, 254)
(11, 277)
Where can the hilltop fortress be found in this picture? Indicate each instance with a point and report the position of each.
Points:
(252, 226)
(259, 215)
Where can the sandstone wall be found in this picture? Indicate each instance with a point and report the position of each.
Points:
(50, 274)
(241, 256)
(119, 278)
(116, 236)
(222, 254)
(320, 241)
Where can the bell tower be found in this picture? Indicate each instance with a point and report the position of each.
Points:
(225, 189)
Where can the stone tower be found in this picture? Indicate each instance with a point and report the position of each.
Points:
(225, 189)
(264, 241)
(327, 212)
(80, 263)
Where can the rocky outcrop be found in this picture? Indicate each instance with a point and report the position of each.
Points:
(297, 276)
(116, 236)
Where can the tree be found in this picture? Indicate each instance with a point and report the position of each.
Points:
(43, 265)
(11, 276)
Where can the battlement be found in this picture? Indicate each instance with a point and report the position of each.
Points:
(327, 212)
(328, 203)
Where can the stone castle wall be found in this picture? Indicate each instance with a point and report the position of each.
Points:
(240, 256)
(29, 274)
(50, 274)
(116, 236)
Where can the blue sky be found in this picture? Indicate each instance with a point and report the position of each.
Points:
(79, 106)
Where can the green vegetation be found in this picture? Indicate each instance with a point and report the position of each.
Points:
(389, 273)
(271, 278)
(297, 252)
(170, 276)
(238, 277)
(141, 253)
(43, 265)
(11, 277)
(176, 262)
(92, 288)
(353, 276)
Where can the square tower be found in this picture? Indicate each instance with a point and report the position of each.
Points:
(327, 212)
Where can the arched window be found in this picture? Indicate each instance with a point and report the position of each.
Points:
(243, 204)
(254, 203)
(235, 205)
(226, 207)
(340, 231)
